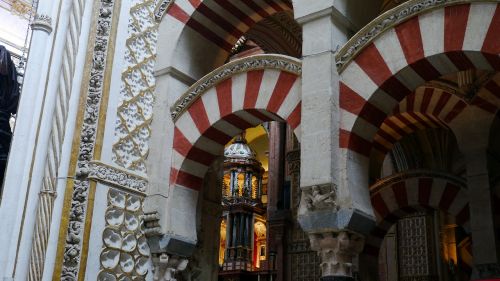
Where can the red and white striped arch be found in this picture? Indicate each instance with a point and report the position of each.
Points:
(223, 22)
(404, 194)
(423, 48)
(425, 108)
(239, 102)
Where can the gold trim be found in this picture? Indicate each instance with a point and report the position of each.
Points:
(251, 63)
(68, 193)
(378, 26)
(101, 124)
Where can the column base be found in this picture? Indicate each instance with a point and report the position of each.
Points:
(490, 271)
(336, 278)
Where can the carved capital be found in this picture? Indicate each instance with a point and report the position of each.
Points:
(319, 197)
(336, 251)
(42, 22)
(166, 267)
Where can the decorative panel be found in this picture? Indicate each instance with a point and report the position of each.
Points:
(135, 107)
(415, 248)
(125, 251)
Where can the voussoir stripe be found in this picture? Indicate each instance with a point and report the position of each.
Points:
(254, 80)
(283, 86)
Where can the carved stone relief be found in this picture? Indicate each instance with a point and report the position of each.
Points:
(319, 197)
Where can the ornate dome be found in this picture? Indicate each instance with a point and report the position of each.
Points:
(239, 149)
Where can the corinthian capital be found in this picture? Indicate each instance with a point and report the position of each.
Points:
(42, 22)
(337, 250)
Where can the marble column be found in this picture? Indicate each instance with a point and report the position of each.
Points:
(337, 251)
(18, 202)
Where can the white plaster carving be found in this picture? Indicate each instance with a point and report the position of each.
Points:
(135, 109)
(42, 22)
(117, 177)
(78, 209)
(337, 250)
(257, 62)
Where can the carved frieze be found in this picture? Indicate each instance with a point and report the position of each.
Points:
(117, 177)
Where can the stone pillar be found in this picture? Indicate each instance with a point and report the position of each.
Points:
(484, 243)
(337, 251)
(328, 208)
(472, 130)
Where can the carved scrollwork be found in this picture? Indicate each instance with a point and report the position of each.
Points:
(117, 177)
(257, 62)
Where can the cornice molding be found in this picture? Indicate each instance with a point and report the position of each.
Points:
(389, 20)
(257, 62)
